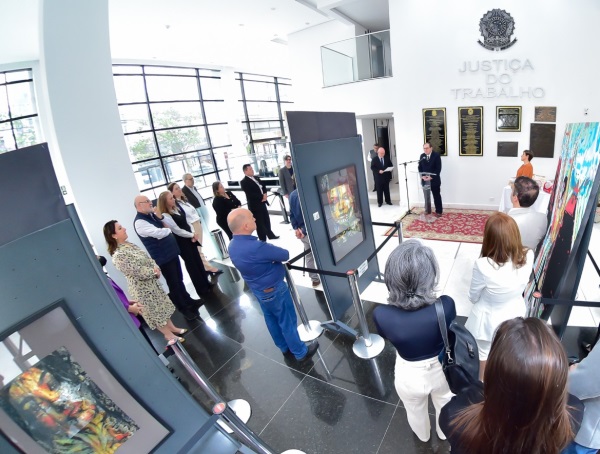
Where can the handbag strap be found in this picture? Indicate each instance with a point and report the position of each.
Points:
(441, 316)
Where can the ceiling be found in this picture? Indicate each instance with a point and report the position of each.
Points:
(244, 34)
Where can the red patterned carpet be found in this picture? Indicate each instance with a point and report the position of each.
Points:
(455, 225)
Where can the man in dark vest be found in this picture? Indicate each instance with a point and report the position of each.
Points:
(162, 247)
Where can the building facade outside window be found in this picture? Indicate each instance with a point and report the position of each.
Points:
(19, 121)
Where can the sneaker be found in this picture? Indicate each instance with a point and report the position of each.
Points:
(312, 349)
(316, 283)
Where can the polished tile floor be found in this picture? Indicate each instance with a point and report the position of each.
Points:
(336, 402)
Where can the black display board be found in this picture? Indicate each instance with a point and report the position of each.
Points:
(434, 129)
(541, 139)
(312, 159)
(470, 130)
(36, 201)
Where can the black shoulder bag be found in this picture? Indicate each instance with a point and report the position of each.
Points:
(460, 358)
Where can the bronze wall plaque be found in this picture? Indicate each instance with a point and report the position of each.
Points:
(541, 140)
(434, 129)
(508, 118)
(470, 130)
(545, 114)
(508, 149)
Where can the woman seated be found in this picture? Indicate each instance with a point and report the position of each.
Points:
(142, 278)
(410, 323)
(499, 278)
(174, 218)
(523, 407)
(223, 203)
(193, 219)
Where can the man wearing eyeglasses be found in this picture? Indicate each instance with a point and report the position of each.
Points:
(431, 162)
(287, 181)
(162, 247)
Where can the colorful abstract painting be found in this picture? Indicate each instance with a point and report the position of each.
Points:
(63, 410)
(570, 206)
(341, 208)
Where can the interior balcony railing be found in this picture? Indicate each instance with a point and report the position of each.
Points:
(360, 58)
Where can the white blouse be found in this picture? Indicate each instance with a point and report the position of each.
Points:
(190, 212)
(175, 228)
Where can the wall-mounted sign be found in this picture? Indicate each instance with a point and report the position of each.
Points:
(508, 118)
(545, 113)
(470, 130)
(508, 149)
(496, 27)
(434, 129)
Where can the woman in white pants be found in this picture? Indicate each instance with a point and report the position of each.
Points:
(410, 323)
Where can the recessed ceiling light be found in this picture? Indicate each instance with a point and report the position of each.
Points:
(306, 23)
(241, 25)
(273, 9)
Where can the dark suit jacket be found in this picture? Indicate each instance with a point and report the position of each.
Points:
(253, 193)
(376, 167)
(434, 165)
(191, 197)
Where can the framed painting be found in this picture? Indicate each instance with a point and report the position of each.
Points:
(340, 204)
(57, 396)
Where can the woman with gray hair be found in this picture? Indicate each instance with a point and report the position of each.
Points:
(410, 323)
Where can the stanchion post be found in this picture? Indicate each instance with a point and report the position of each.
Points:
(309, 329)
(400, 233)
(286, 218)
(220, 407)
(367, 345)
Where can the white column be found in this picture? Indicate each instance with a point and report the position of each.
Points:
(83, 120)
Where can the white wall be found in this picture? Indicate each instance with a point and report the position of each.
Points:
(430, 41)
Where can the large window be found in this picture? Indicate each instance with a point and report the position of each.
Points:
(19, 122)
(173, 122)
(263, 103)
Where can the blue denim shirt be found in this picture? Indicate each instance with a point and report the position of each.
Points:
(259, 262)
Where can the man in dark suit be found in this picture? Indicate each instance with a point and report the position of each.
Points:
(256, 196)
(373, 155)
(382, 178)
(430, 161)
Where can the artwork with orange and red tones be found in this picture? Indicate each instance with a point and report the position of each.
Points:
(63, 410)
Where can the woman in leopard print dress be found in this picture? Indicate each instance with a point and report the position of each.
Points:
(142, 275)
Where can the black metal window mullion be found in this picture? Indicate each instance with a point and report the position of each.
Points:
(249, 129)
(210, 147)
(160, 157)
(279, 108)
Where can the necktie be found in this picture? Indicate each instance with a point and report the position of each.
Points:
(381, 162)
(427, 157)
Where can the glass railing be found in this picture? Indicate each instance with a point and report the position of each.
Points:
(360, 58)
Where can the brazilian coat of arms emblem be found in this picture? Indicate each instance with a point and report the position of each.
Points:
(496, 27)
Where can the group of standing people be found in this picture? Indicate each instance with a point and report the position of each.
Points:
(522, 403)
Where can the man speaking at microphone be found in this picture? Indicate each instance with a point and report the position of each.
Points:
(431, 162)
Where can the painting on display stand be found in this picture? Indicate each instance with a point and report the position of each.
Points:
(470, 130)
(340, 204)
(434, 129)
(57, 396)
(570, 205)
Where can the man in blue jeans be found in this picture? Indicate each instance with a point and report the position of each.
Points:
(261, 266)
